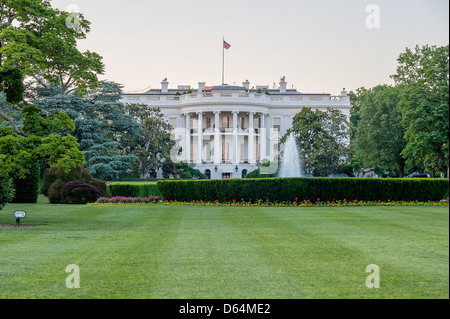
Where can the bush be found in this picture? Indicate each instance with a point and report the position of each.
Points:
(101, 185)
(54, 196)
(77, 192)
(134, 190)
(27, 188)
(287, 189)
(6, 191)
(79, 173)
(55, 178)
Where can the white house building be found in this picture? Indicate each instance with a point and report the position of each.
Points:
(227, 131)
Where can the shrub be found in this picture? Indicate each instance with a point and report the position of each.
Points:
(79, 173)
(287, 189)
(27, 188)
(134, 190)
(77, 192)
(101, 185)
(6, 191)
(54, 196)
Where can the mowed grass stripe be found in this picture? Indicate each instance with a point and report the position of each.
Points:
(405, 262)
(295, 246)
(115, 253)
(225, 252)
(329, 257)
(212, 260)
(415, 239)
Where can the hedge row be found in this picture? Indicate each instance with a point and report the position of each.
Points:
(288, 189)
(134, 190)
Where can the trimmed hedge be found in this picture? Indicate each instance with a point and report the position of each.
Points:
(288, 189)
(134, 190)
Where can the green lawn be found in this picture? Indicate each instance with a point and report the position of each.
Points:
(225, 252)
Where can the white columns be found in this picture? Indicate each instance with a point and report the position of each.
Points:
(200, 139)
(263, 137)
(217, 146)
(235, 137)
(188, 138)
(251, 140)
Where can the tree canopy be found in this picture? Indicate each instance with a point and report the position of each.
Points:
(323, 139)
(423, 76)
(379, 136)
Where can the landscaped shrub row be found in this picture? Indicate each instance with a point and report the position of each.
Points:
(288, 189)
(134, 190)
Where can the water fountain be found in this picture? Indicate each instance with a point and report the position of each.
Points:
(290, 162)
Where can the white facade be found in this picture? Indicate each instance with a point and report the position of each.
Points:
(228, 131)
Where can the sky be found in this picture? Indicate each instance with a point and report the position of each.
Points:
(320, 46)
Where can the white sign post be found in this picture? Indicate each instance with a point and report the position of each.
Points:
(18, 214)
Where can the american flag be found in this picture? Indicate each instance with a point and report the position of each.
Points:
(226, 45)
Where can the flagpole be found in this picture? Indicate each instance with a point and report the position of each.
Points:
(223, 60)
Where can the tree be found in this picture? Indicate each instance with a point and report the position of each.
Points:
(100, 120)
(378, 138)
(34, 39)
(423, 75)
(323, 139)
(19, 152)
(153, 145)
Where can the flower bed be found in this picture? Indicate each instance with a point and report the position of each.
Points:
(128, 200)
(155, 200)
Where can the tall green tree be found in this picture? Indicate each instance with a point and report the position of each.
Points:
(100, 119)
(379, 136)
(323, 139)
(36, 40)
(423, 75)
(153, 146)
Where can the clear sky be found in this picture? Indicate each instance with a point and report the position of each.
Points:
(320, 46)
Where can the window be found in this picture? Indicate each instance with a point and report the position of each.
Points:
(242, 123)
(208, 122)
(276, 152)
(173, 122)
(277, 124)
(226, 175)
(257, 123)
(225, 122)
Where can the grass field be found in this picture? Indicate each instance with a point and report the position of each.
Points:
(224, 252)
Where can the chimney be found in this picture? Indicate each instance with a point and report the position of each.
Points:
(246, 84)
(344, 95)
(164, 86)
(201, 86)
(283, 85)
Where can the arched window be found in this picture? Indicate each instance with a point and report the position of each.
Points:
(244, 173)
(208, 173)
